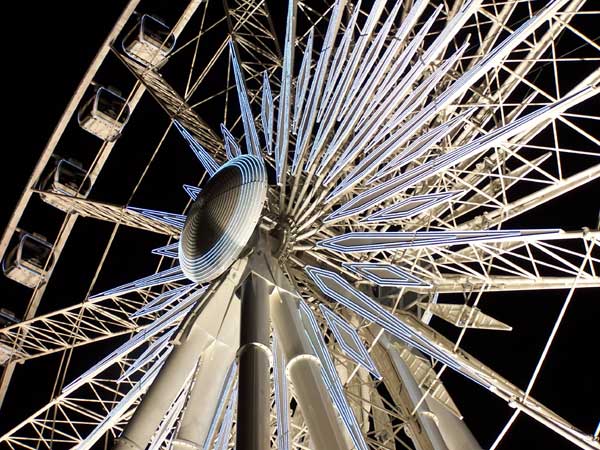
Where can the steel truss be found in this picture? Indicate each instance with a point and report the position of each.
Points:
(398, 187)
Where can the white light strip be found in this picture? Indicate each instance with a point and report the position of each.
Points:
(252, 142)
(356, 349)
(231, 146)
(207, 161)
(388, 189)
(192, 191)
(267, 112)
(330, 376)
(386, 275)
(410, 207)
(281, 396)
(165, 276)
(302, 80)
(370, 241)
(177, 220)
(168, 251)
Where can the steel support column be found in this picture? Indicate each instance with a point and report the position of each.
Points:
(253, 412)
(304, 371)
(215, 316)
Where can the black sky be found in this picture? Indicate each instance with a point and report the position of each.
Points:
(47, 50)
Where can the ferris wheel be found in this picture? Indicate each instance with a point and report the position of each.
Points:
(363, 182)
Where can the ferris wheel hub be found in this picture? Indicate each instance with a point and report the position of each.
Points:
(223, 218)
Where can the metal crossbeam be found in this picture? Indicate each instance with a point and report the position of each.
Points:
(112, 213)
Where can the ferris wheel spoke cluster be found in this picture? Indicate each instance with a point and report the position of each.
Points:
(402, 146)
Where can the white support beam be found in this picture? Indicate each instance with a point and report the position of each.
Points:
(492, 218)
(451, 284)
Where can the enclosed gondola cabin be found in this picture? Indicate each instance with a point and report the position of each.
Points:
(149, 42)
(104, 115)
(26, 262)
(67, 177)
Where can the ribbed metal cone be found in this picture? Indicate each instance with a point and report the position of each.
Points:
(222, 219)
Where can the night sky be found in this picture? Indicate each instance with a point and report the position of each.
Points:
(46, 53)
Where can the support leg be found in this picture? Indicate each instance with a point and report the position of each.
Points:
(204, 397)
(253, 427)
(304, 371)
(216, 313)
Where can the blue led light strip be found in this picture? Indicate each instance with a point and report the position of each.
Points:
(338, 289)
(225, 430)
(252, 142)
(410, 207)
(167, 298)
(340, 57)
(177, 220)
(226, 391)
(281, 395)
(386, 275)
(309, 116)
(123, 405)
(330, 376)
(356, 242)
(149, 354)
(302, 80)
(460, 86)
(166, 276)
(192, 191)
(421, 145)
(231, 146)
(356, 349)
(162, 323)
(378, 154)
(347, 75)
(168, 423)
(379, 92)
(168, 251)
(285, 95)
(330, 105)
(373, 71)
(388, 189)
(207, 161)
(267, 112)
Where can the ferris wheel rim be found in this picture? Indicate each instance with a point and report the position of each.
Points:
(545, 248)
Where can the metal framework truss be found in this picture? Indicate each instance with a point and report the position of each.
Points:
(407, 144)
